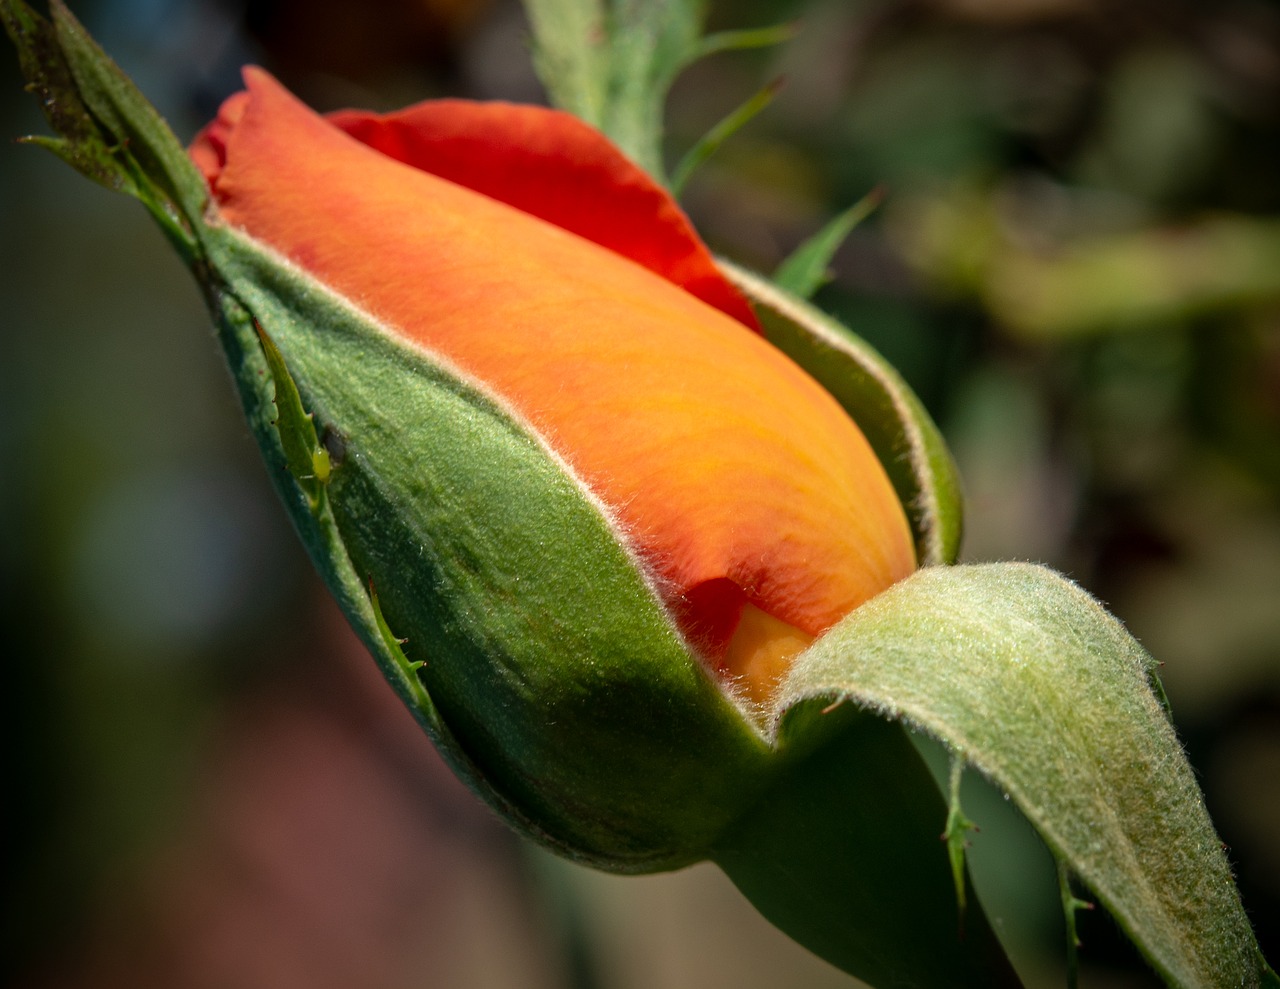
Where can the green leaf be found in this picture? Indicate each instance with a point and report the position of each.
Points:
(745, 38)
(142, 134)
(805, 271)
(892, 418)
(81, 143)
(710, 142)
(106, 128)
(612, 62)
(1034, 684)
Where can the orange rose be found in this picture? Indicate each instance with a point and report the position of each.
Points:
(519, 416)
(519, 246)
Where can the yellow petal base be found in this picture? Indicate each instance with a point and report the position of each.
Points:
(760, 653)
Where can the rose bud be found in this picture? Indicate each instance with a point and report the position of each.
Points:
(584, 513)
(514, 247)
(603, 510)
(645, 581)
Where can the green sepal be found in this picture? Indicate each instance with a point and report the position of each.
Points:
(895, 423)
(1048, 696)
(565, 689)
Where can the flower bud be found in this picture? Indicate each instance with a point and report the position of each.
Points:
(516, 254)
(521, 418)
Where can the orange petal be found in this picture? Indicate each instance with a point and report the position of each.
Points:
(551, 165)
(727, 466)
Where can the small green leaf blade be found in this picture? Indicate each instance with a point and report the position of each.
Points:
(742, 39)
(1039, 688)
(805, 270)
(141, 133)
(710, 142)
(81, 143)
(892, 418)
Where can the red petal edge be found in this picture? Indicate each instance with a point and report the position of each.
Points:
(553, 166)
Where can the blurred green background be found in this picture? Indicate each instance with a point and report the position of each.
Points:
(1077, 265)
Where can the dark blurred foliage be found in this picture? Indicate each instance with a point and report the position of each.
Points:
(1077, 266)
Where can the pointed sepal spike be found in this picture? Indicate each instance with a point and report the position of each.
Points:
(394, 644)
(307, 459)
(1071, 904)
(956, 836)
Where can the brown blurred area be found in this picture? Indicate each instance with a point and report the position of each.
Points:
(1077, 267)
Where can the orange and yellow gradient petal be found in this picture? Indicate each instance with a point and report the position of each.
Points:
(753, 497)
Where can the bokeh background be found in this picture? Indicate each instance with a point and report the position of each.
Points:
(1077, 265)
